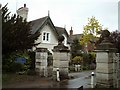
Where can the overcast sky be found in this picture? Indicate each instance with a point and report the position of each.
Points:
(69, 13)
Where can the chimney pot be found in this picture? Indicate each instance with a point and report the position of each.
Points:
(71, 32)
(24, 5)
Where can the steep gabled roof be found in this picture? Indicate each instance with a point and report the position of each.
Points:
(39, 23)
(76, 36)
(61, 30)
(36, 24)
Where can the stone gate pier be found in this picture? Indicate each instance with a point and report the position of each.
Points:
(61, 58)
(106, 70)
(41, 61)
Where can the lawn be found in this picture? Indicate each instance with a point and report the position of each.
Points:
(14, 78)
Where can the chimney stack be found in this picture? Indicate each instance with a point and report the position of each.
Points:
(71, 32)
(23, 12)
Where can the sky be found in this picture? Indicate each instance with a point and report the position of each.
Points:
(70, 13)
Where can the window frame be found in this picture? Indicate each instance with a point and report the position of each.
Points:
(46, 37)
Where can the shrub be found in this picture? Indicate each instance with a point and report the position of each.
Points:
(32, 57)
(16, 67)
(31, 72)
(86, 67)
(9, 65)
(77, 60)
(71, 68)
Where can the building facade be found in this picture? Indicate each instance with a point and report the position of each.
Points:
(49, 33)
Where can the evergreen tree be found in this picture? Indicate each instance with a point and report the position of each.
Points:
(16, 33)
(76, 48)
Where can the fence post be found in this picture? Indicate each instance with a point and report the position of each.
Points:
(92, 80)
(58, 76)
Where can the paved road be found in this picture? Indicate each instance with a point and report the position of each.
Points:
(80, 79)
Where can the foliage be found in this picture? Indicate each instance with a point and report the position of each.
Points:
(92, 57)
(31, 72)
(8, 64)
(86, 67)
(76, 48)
(16, 67)
(16, 34)
(17, 38)
(115, 38)
(49, 58)
(71, 68)
(91, 32)
(88, 58)
(32, 59)
(77, 60)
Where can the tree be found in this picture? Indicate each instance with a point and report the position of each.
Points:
(91, 32)
(76, 48)
(16, 34)
(16, 40)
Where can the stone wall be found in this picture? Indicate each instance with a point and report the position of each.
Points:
(41, 61)
(61, 61)
(61, 58)
(104, 69)
(107, 63)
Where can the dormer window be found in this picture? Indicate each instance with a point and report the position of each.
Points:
(46, 37)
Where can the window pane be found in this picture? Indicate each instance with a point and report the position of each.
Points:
(44, 36)
(47, 36)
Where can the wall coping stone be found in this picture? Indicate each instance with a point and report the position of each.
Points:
(41, 50)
